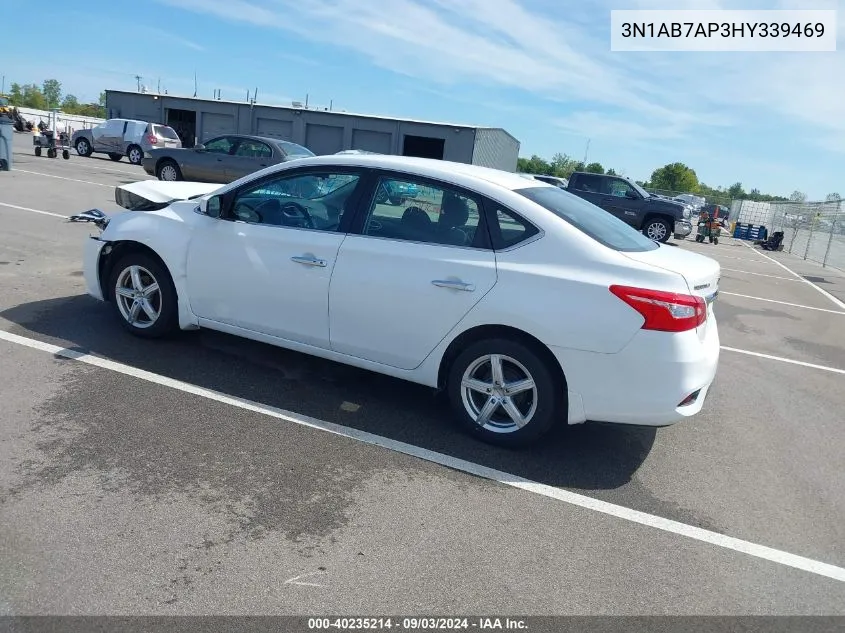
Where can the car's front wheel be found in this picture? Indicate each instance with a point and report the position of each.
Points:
(504, 392)
(657, 229)
(142, 293)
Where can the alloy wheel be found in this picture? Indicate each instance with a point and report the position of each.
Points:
(499, 393)
(138, 297)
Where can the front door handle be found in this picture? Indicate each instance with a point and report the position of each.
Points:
(309, 261)
(454, 285)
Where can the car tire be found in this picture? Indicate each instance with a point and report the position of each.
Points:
(135, 154)
(38, 151)
(168, 170)
(66, 154)
(83, 147)
(116, 157)
(543, 404)
(164, 319)
(657, 229)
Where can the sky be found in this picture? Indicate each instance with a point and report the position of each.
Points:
(541, 69)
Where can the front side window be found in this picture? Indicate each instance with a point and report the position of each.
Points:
(306, 201)
(594, 221)
(619, 188)
(406, 210)
(253, 149)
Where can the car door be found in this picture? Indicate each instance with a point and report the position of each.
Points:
(408, 273)
(623, 201)
(208, 164)
(250, 155)
(266, 264)
(106, 140)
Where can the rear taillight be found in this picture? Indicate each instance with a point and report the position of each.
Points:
(152, 139)
(664, 311)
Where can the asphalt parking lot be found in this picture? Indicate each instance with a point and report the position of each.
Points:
(208, 474)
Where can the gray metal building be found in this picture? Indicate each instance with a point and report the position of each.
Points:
(320, 130)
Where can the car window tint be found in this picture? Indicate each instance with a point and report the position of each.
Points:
(590, 219)
(253, 149)
(590, 184)
(306, 201)
(222, 145)
(508, 229)
(617, 187)
(407, 210)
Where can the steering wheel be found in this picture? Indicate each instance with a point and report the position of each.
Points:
(295, 214)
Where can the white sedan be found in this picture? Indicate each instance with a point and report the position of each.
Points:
(528, 305)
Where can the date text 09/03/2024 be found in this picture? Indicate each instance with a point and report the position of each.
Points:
(721, 29)
(416, 623)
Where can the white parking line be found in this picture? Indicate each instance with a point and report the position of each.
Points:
(14, 206)
(783, 360)
(838, 302)
(785, 303)
(85, 182)
(627, 514)
(746, 272)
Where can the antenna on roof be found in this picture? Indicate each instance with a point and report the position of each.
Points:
(586, 151)
(138, 80)
(195, 83)
(255, 95)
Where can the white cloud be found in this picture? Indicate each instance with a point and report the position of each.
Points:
(562, 54)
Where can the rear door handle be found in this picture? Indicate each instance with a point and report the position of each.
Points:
(309, 261)
(454, 285)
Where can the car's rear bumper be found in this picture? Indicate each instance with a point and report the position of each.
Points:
(646, 382)
(91, 267)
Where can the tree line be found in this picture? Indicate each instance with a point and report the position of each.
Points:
(673, 178)
(49, 95)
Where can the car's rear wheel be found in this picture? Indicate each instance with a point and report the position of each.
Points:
(657, 229)
(116, 157)
(144, 298)
(169, 170)
(504, 392)
(134, 154)
(83, 147)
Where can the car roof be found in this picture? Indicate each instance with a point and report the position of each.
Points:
(428, 167)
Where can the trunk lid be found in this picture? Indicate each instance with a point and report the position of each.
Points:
(701, 273)
(149, 195)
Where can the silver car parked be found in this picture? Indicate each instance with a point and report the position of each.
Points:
(124, 137)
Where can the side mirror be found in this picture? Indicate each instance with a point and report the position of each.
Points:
(199, 147)
(631, 195)
(212, 207)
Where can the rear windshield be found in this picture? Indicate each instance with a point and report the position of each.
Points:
(165, 132)
(600, 225)
(292, 149)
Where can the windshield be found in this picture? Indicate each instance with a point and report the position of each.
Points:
(640, 190)
(590, 219)
(4, 101)
(292, 149)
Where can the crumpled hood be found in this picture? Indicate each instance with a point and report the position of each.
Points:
(148, 195)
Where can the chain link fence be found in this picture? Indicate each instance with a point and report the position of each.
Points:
(724, 200)
(814, 231)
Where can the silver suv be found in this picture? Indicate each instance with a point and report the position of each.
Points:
(124, 137)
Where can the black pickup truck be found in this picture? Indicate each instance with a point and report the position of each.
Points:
(656, 217)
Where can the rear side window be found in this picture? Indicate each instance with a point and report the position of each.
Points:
(507, 228)
(590, 184)
(594, 221)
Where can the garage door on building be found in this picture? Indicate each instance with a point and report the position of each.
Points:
(324, 139)
(379, 142)
(274, 128)
(217, 125)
